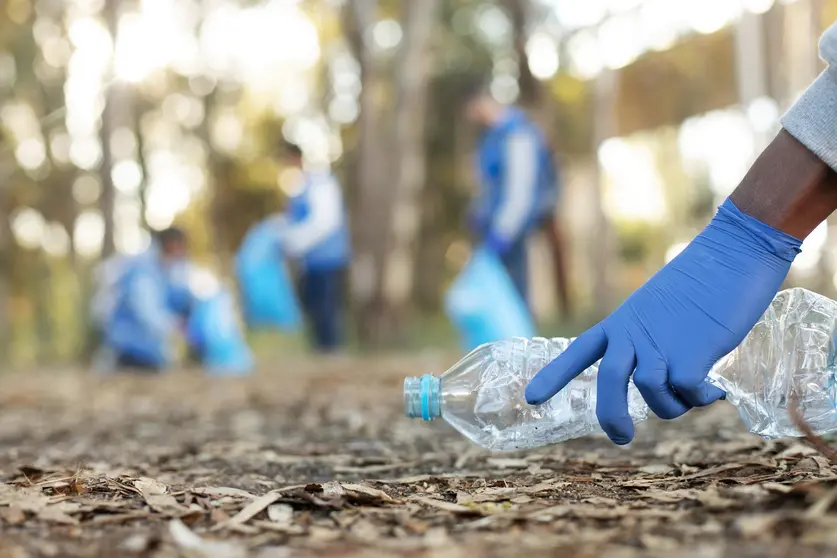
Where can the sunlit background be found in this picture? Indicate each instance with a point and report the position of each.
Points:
(117, 117)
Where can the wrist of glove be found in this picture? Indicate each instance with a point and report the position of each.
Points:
(670, 332)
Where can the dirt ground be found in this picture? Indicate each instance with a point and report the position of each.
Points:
(313, 458)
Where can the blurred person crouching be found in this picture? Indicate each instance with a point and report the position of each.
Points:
(143, 303)
(315, 234)
(518, 182)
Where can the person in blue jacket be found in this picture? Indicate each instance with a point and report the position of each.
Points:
(517, 178)
(316, 234)
(151, 301)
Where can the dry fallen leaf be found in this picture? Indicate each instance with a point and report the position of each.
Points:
(222, 491)
(13, 515)
(152, 487)
(58, 513)
(656, 469)
(657, 543)
(365, 530)
(507, 463)
(712, 471)
(280, 513)
(320, 534)
(136, 543)
(715, 501)
(330, 490)
(544, 487)
(755, 525)
(252, 509)
(194, 546)
(521, 500)
(487, 495)
(374, 493)
(821, 506)
(277, 527)
(446, 506)
(25, 498)
(154, 493)
(32, 474)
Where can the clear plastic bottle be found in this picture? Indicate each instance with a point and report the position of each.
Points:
(790, 352)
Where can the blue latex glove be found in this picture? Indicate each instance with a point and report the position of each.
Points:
(672, 330)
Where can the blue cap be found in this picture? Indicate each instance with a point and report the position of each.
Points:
(422, 397)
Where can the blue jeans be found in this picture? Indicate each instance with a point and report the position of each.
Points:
(321, 294)
(517, 264)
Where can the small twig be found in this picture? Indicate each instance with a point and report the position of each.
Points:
(816, 441)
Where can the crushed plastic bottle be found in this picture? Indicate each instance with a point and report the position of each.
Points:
(789, 353)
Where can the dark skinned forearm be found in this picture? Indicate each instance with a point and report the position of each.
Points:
(788, 187)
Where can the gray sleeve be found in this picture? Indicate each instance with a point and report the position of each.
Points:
(521, 184)
(813, 119)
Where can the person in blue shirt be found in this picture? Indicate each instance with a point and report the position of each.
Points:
(316, 235)
(517, 178)
(149, 302)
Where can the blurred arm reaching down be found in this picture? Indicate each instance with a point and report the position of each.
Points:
(322, 221)
(813, 119)
(519, 189)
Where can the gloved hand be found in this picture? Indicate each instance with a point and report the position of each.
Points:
(673, 329)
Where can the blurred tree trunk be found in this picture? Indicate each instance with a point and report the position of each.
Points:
(371, 245)
(412, 82)
(751, 66)
(107, 200)
(530, 88)
(137, 112)
(43, 309)
(391, 171)
(802, 24)
(217, 185)
(5, 266)
(602, 249)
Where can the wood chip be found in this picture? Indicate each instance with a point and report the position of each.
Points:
(120, 517)
(190, 542)
(280, 513)
(155, 494)
(712, 471)
(506, 463)
(656, 469)
(373, 469)
(278, 528)
(821, 506)
(223, 491)
(445, 506)
(13, 515)
(252, 509)
(373, 493)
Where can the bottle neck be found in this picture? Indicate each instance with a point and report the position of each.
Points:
(423, 397)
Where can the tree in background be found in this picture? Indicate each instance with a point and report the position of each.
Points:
(391, 165)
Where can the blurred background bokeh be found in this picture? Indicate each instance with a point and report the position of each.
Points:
(122, 116)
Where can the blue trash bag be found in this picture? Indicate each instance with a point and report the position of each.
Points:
(214, 333)
(484, 305)
(268, 296)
